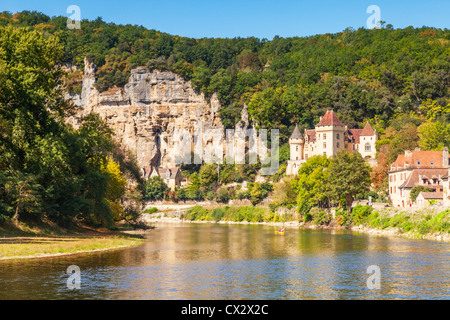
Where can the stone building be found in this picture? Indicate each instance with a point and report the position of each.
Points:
(171, 176)
(328, 137)
(416, 168)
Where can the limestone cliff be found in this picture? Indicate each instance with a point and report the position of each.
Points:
(149, 112)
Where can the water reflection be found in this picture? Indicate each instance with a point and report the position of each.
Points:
(204, 261)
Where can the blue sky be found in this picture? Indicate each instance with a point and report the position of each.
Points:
(243, 18)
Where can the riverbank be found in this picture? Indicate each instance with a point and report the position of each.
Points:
(46, 241)
(431, 224)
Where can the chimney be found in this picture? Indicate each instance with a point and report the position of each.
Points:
(445, 157)
(408, 153)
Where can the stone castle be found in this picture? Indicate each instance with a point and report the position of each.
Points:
(330, 136)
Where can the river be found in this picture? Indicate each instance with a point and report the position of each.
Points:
(218, 261)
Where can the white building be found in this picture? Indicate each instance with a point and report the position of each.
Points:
(329, 137)
(416, 168)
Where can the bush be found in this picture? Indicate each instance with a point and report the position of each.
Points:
(223, 195)
(307, 217)
(151, 210)
(360, 214)
(343, 218)
(322, 218)
(218, 214)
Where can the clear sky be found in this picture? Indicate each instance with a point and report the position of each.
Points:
(244, 18)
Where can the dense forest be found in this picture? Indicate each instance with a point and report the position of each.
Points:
(397, 79)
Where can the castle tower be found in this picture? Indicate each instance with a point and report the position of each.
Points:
(329, 134)
(296, 143)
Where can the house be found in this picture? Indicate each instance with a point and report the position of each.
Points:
(424, 198)
(171, 176)
(416, 168)
(330, 136)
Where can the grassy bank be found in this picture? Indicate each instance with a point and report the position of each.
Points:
(38, 241)
(418, 224)
(235, 214)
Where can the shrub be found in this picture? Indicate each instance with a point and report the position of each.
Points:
(151, 210)
(218, 214)
(343, 218)
(223, 195)
(307, 217)
(360, 214)
(322, 218)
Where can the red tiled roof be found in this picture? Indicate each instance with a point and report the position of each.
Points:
(432, 195)
(330, 118)
(419, 159)
(163, 172)
(311, 135)
(367, 131)
(354, 134)
(413, 178)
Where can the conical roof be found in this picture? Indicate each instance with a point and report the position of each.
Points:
(296, 134)
(367, 131)
(330, 119)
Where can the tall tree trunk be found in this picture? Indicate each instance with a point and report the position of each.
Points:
(348, 202)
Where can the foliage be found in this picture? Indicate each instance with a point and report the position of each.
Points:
(416, 190)
(360, 213)
(156, 189)
(310, 184)
(348, 175)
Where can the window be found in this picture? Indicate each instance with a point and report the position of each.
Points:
(296, 148)
(367, 147)
(435, 181)
(391, 190)
(306, 156)
(324, 136)
(337, 136)
(337, 145)
(418, 162)
(324, 153)
(324, 145)
(432, 162)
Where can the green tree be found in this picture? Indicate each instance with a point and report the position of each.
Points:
(311, 184)
(156, 188)
(434, 135)
(347, 176)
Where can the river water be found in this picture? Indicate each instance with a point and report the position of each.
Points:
(215, 261)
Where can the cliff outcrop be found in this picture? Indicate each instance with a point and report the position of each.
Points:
(150, 113)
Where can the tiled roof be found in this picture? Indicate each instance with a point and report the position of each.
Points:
(354, 134)
(311, 135)
(164, 171)
(413, 178)
(296, 134)
(330, 118)
(367, 131)
(432, 195)
(419, 159)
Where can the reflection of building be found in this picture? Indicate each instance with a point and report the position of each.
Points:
(171, 176)
(329, 137)
(417, 168)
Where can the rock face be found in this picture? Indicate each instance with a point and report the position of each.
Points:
(150, 113)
